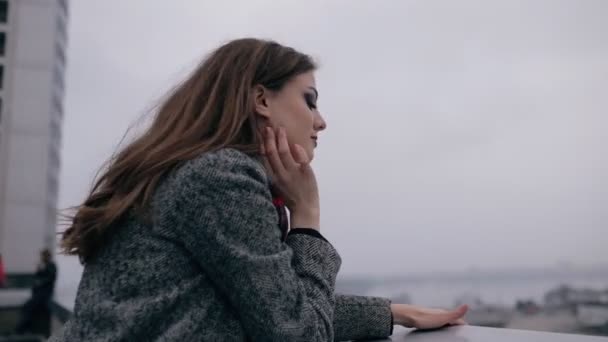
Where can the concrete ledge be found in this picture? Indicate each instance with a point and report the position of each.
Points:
(481, 334)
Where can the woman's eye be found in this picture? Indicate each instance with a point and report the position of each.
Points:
(310, 101)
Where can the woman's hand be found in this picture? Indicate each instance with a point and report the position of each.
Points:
(293, 178)
(411, 316)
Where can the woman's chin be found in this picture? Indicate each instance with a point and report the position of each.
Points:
(309, 149)
(310, 153)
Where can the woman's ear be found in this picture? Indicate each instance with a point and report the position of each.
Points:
(261, 97)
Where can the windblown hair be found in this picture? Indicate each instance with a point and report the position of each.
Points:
(212, 109)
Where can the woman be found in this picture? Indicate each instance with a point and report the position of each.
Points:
(185, 238)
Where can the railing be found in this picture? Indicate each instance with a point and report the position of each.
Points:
(482, 334)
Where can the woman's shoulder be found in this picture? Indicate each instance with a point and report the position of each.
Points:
(221, 165)
(224, 157)
(224, 176)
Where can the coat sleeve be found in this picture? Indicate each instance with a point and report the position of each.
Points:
(282, 291)
(360, 317)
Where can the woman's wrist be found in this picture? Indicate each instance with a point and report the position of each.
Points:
(401, 315)
(305, 217)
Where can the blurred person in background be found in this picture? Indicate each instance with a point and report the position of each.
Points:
(42, 292)
(186, 235)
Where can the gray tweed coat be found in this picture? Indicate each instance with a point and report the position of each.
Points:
(211, 266)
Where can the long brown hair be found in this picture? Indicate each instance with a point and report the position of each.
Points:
(212, 109)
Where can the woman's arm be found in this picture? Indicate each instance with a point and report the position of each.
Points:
(280, 291)
(362, 317)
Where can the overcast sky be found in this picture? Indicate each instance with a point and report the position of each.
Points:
(460, 133)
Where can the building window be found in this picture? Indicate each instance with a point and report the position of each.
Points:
(3, 11)
(2, 42)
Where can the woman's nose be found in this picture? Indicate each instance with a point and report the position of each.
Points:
(320, 123)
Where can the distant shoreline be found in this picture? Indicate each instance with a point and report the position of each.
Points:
(473, 274)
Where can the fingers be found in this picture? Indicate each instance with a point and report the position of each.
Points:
(434, 318)
(455, 315)
(263, 145)
(272, 153)
(269, 169)
(459, 322)
(284, 151)
(300, 155)
(462, 309)
(279, 157)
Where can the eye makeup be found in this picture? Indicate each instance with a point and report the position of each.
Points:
(310, 100)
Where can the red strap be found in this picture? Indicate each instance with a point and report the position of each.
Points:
(278, 201)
